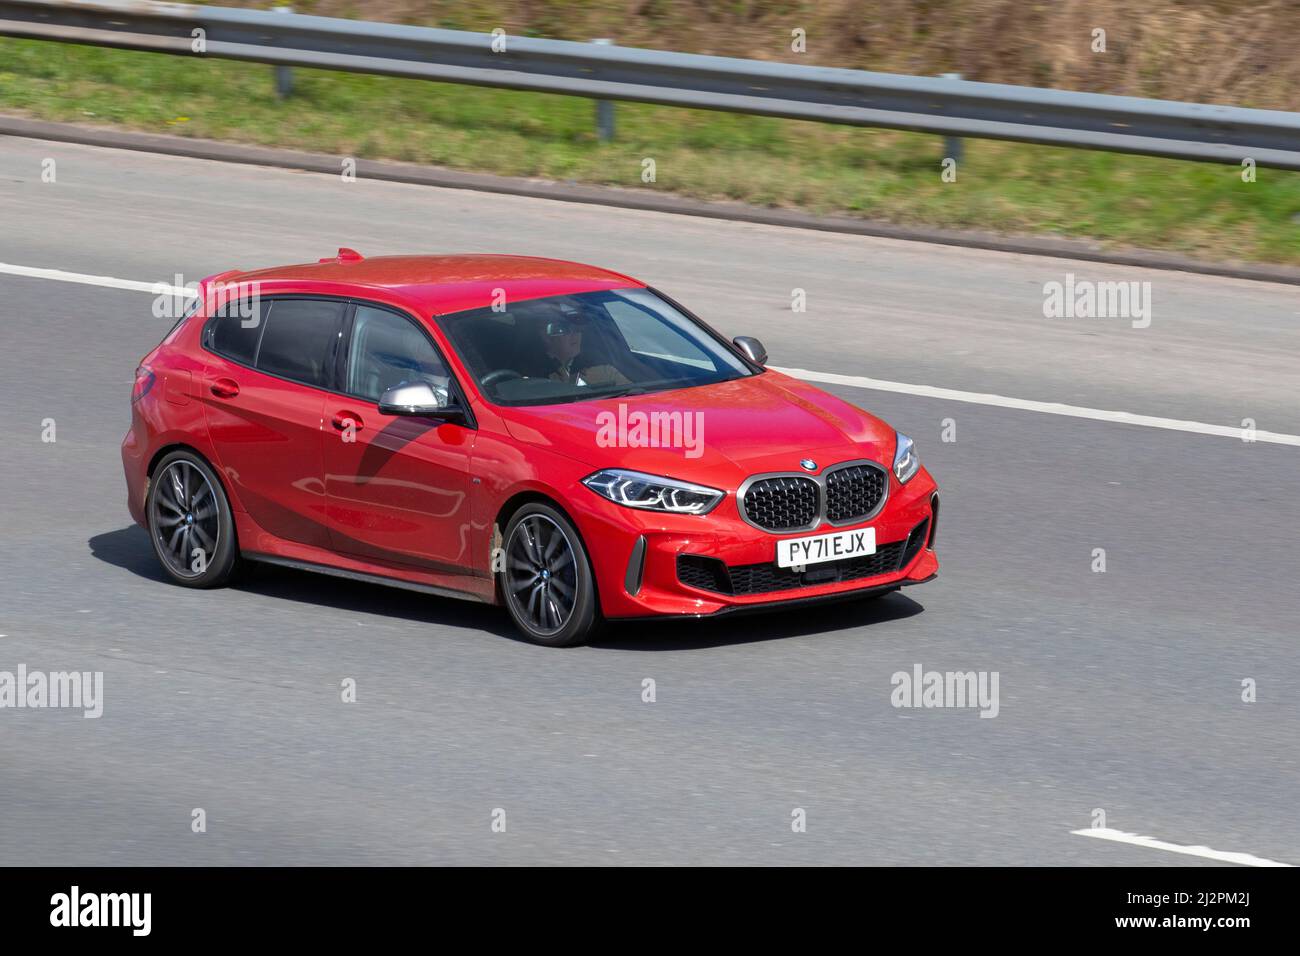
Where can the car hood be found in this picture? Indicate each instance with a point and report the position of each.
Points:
(713, 433)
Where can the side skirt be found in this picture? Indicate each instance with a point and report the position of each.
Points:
(363, 576)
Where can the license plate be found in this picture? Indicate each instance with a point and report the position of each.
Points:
(796, 552)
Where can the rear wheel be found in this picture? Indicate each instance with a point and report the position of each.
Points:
(190, 524)
(546, 581)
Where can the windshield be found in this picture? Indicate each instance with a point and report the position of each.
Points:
(570, 348)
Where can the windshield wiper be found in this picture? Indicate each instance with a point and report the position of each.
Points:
(630, 390)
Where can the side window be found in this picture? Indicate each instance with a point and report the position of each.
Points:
(236, 329)
(388, 350)
(299, 338)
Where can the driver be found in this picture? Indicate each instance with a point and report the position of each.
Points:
(561, 359)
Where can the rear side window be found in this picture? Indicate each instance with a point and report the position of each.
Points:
(236, 329)
(299, 338)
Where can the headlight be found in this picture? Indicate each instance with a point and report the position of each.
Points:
(633, 489)
(906, 463)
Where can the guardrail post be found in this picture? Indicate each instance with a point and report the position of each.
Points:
(604, 110)
(283, 74)
(952, 145)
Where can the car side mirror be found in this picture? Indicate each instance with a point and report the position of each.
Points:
(420, 400)
(751, 348)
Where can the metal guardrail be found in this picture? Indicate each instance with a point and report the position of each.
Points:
(946, 107)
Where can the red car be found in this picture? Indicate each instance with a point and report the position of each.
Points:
(554, 437)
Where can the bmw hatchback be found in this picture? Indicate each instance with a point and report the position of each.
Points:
(556, 438)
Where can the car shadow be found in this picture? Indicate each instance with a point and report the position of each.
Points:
(129, 548)
(344, 594)
(678, 634)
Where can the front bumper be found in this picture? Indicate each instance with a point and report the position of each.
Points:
(649, 565)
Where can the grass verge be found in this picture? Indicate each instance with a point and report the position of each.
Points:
(1203, 210)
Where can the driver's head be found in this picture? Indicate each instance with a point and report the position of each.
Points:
(562, 335)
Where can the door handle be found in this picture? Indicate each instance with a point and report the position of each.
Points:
(341, 420)
(225, 388)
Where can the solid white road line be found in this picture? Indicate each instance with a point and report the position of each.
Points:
(1047, 408)
(1119, 836)
(107, 282)
(829, 378)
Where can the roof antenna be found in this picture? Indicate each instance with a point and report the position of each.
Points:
(345, 255)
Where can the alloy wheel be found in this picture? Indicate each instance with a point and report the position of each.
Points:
(541, 574)
(183, 516)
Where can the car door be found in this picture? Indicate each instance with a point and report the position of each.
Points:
(265, 385)
(397, 487)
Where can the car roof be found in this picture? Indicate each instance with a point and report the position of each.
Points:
(449, 283)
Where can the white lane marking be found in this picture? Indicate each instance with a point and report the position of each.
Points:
(829, 378)
(1151, 843)
(1047, 408)
(108, 282)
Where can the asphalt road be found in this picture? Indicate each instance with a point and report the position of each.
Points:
(1118, 690)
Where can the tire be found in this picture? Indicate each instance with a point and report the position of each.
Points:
(546, 582)
(188, 513)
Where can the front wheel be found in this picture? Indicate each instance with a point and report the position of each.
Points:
(545, 578)
(190, 524)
